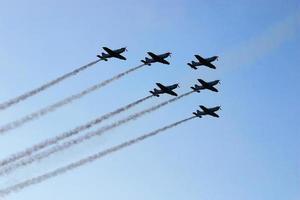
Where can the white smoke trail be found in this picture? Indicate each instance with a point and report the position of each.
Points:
(89, 159)
(35, 91)
(258, 47)
(53, 107)
(70, 143)
(29, 151)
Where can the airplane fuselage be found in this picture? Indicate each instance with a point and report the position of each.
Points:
(172, 87)
(121, 50)
(211, 59)
(164, 55)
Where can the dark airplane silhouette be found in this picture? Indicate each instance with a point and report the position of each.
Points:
(206, 85)
(156, 58)
(112, 53)
(164, 90)
(207, 111)
(203, 61)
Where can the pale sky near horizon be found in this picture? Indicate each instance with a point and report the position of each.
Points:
(250, 152)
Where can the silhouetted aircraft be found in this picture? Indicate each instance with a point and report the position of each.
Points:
(207, 111)
(156, 58)
(203, 61)
(112, 53)
(164, 89)
(206, 85)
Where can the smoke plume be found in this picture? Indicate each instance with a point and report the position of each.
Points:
(29, 151)
(89, 159)
(53, 107)
(35, 91)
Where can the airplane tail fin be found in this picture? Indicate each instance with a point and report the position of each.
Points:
(197, 115)
(154, 93)
(194, 88)
(191, 65)
(145, 62)
(101, 57)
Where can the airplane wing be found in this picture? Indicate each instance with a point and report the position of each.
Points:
(213, 89)
(119, 56)
(208, 64)
(163, 61)
(166, 90)
(171, 93)
(200, 59)
(161, 86)
(109, 51)
(154, 56)
(205, 62)
(214, 109)
(214, 115)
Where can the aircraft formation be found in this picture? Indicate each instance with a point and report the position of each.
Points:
(56, 144)
(162, 89)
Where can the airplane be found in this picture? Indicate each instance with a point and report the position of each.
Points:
(206, 85)
(207, 111)
(112, 53)
(156, 58)
(164, 89)
(203, 61)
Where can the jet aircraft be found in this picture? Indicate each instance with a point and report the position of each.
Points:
(164, 90)
(206, 85)
(156, 58)
(207, 111)
(203, 61)
(112, 53)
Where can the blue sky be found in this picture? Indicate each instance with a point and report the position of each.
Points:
(251, 152)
